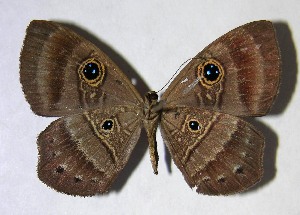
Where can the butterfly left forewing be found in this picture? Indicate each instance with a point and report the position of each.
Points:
(82, 154)
(217, 153)
(62, 73)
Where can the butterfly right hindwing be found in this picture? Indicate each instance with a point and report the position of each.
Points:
(217, 153)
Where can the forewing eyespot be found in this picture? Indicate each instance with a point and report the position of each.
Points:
(92, 72)
(210, 72)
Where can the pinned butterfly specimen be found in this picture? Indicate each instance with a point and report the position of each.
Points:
(102, 114)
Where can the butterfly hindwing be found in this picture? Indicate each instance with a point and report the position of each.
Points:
(217, 153)
(82, 154)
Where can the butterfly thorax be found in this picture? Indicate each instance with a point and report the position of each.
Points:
(151, 105)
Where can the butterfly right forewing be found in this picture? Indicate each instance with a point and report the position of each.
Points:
(248, 61)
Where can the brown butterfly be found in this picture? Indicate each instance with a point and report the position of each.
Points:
(102, 114)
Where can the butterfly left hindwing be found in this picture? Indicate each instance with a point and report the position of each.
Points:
(83, 153)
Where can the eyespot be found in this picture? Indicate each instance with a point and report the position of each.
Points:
(107, 125)
(206, 179)
(210, 72)
(221, 179)
(92, 72)
(194, 125)
(60, 169)
(77, 179)
(238, 169)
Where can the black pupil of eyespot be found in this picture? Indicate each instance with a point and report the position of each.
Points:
(194, 125)
(211, 72)
(107, 125)
(91, 71)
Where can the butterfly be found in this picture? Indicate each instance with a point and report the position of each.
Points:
(200, 114)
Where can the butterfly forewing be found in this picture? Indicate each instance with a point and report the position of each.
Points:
(62, 73)
(237, 74)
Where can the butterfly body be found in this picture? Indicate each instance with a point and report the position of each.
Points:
(102, 114)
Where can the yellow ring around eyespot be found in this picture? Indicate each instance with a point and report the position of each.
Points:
(203, 80)
(97, 81)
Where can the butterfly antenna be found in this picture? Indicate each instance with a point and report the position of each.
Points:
(185, 62)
